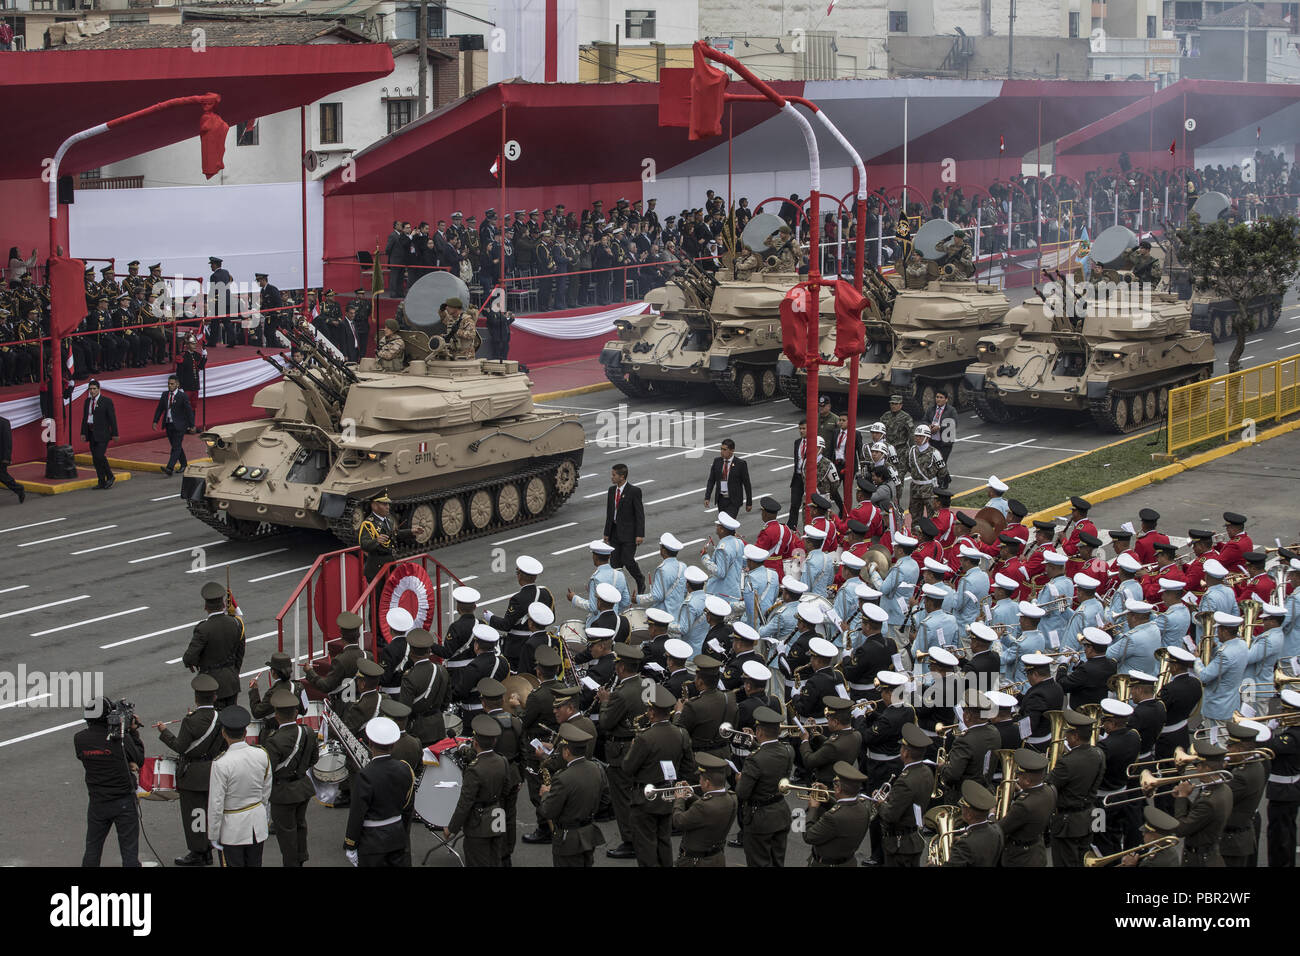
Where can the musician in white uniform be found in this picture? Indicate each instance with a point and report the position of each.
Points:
(239, 789)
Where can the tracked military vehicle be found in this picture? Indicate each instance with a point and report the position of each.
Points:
(722, 332)
(1210, 313)
(1114, 361)
(918, 339)
(457, 444)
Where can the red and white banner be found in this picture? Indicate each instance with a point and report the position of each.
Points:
(535, 40)
(409, 587)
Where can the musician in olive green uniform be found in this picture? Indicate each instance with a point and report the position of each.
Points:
(480, 811)
(280, 677)
(1031, 809)
(709, 709)
(764, 814)
(836, 831)
(292, 749)
(343, 665)
(509, 744)
(1238, 846)
(841, 744)
(704, 822)
(408, 748)
(570, 799)
(660, 754)
(970, 755)
(198, 744)
(902, 811)
(366, 707)
(217, 647)
(1201, 823)
(619, 709)
(425, 688)
(1156, 824)
(1075, 777)
(979, 843)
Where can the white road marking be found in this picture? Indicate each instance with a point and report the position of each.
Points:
(279, 574)
(35, 524)
(1253, 341)
(132, 640)
(782, 467)
(93, 620)
(264, 634)
(16, 587)
(576, 547)
(168, 554)
(659, 501)
(42, 607)
(74, 534)
(685, 544)
(496, 600)
(465, 580)
(1247, 357)
(971, 437)
(118, 544)
(1283, 348)
(248, 557)
(25, 700)
(785, 428)
(1019, 444)
(165, 498)
(42, 733)
(597, 494)
(533, 534)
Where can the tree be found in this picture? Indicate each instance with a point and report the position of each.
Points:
(1241, 263)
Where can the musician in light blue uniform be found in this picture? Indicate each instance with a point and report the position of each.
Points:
(668, 582)
(759, 587)
(1218, 596)
(782, 621)
(972, 588)
(1291, 623)
(1176, 620)
(845, 605)
(727, 562)
(938, 628)
(1030, 641)
(819, 566)
(1264, 652)
(1128, 589)
(1006, 609)
(897, 587)
(1056, 598)
(936, 573)
(997, 488)
(691, 623)
(1222, 677)
(1089, 613)
(1135, 649)
(604, 574)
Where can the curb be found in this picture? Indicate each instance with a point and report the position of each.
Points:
(1165, 472)
(1034, 471)
(51, 488)
(570, 392)
(133, 464)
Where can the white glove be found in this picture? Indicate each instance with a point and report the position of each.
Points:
(487, 617)
(657, 668)
(782, 649)
(352, 856)
(217, 846)
(715, 646)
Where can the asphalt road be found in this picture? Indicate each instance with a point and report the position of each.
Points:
(104, 582)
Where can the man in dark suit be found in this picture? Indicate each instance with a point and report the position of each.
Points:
(800, 456)
(391, 256)
(624, 523)
(6, 457)
(270, 303)
(99, 427)
(177, 420)
(942, 419)
(730, 475)
(840, 449)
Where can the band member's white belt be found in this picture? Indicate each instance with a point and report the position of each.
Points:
(874, 755)
(471, 707)
(390, 691)
(1279, 778)
(1170, 728)
(381, 823)
(1038, 740)
(464, 663)
(739, 752)
(922, 481)
(862, 686)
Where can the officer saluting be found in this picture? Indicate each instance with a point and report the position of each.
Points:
(281, 678)
(381, 801)
(217, 647)
(704, 821)
(292, 749)
(836, 832)
(480, 811)
(198, 743)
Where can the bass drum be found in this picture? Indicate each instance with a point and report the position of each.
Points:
(438, 791)
(574, 635)
(637, 620)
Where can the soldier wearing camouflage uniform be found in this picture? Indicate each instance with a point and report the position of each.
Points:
(917, 273)
(898, 424)
(958, 254)
(926, 467)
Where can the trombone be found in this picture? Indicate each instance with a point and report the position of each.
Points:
(1180, 759)
(1285, 718)
(653, 793)
(817, 791)
(1258, 755)
(1155, 846)
(1149, 783)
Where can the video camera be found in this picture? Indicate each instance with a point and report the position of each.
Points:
(121, 718)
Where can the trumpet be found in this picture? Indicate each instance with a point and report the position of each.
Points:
(1149, 783)
(1155, 846)
(1063, 601)
(817, 791)
(737, 737)
(1180, 759)
(653, 793)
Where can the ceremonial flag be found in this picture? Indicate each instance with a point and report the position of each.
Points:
(496, 165)
(1173, 143)
(376, 273)
(1002, 144)
(707, 87)
(1258, 131)
(830, 7)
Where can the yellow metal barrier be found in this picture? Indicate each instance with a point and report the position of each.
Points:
(1218, 407)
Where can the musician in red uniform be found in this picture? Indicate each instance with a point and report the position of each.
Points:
(1010, 564)
(926, 532)
(1194, 568)
(1035, 568)
(1078, 524)
(777, 539)
(943, 520)
(1259, 584)
(1085, 559)
(1017, 519)
(822, 510)
(865, 511)
(1148, 537)
(1165, 568)
(1238, 543)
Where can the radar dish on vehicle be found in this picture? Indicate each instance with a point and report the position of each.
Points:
(1110, 246)
(1211, 206)
(428, 294)
(930, 235)
(759, 228)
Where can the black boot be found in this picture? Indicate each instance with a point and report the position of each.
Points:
(624, 851)
(538, 836)
(194, 859)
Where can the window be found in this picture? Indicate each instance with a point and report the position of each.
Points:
(247, 134)
(897, 21)
(1152, 29)
(436, 27)
(1074, 23)
(399, 113)
(331, 122)
(1187, 11)
(639, 24)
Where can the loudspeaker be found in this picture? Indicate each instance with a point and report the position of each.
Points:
(60, 462)
(67, 195)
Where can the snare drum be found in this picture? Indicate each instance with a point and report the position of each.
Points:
(331, 764)
(636, 618)
(314, 718)
(158, 779)
(574, 635)
(253, 735)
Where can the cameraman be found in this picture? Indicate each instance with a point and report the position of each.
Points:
(111, 760)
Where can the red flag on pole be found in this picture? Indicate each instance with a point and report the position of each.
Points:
(707, 87)
(67, 294)
(850, 337)
(1002, 144)
(830, 7)
(794, 325)
(1173, 144)
(212, 141)
(495, 169)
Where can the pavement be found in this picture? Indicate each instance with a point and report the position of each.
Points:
(107, 582)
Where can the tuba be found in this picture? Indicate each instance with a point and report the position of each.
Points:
(1007, 786)
(1056, 746)
(1205, 643)
(943, 821)
(1250, 611)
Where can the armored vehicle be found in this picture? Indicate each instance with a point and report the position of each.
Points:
(1114, 359)
(722, 330)
(457, 444)
(921, 330)
(1210, 313)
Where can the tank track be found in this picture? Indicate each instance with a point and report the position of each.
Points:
(633, 386)
(995, 411)
(726, 381)
(228, 528)
(792, 387)
(1103, 409)
(344, 527)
